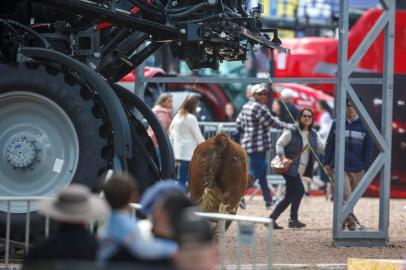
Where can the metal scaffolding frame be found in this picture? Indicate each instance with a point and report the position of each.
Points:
(383, 138)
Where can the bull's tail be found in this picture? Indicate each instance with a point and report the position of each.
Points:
(222, 144)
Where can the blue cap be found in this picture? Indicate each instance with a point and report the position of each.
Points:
(158, 191)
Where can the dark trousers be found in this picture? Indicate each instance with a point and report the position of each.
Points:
(257, 169)
(183, 169)
(323, 175)
(293, 196)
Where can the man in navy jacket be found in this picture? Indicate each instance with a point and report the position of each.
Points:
(358, 154)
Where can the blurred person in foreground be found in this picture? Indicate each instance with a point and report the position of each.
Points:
(163, 204)
(121, 240)
(74, 209)
(185, 135)
(197, 248)
(293, 147)
(357, 158)
(254, 123)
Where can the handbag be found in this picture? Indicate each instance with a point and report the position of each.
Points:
(282, 168)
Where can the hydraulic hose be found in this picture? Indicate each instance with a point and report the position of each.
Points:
(189, 11)
(161, 8)
(9, 26)
(241, 9)
(32, 32)
(202, 19)
(176, 10)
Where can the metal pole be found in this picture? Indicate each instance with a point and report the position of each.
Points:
(387, 112)
(27, 227)
(8, 217)
(222, 243)
(254, 250)
(270, 229)
(46, 227)
(340, 105)
(254, 80)
(238, 249)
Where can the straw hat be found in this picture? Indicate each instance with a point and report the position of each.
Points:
(76, 204)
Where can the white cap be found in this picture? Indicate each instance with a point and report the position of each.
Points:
(259, 88)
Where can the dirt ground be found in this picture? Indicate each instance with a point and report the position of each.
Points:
(313, 244)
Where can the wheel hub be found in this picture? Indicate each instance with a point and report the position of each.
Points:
(22, 153)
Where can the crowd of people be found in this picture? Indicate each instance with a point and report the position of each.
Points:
(300, 145)
(164, 234)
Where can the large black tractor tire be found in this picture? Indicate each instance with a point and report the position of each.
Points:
(57, 123)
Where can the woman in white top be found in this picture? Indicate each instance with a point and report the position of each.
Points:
(294, 147)
(185, 135)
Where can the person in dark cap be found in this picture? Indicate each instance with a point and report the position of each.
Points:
(156, 192)
(121, 240)
(162, 204)
(74, 208)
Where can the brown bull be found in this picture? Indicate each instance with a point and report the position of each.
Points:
(218, 175)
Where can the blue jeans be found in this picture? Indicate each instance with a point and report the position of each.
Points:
(257, 169)
(293, 197)
(184, 172)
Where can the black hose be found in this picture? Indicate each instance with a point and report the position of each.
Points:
(189, 11)
(202, 19)
(32, 32)
(231, 12)
(161, 8)
(176, 10)
(240, 9)
(7, 24)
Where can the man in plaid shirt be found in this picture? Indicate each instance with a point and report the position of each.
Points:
(253, 124)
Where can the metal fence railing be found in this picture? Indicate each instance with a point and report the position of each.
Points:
(210, 129)
(246, 235)
(8, 244)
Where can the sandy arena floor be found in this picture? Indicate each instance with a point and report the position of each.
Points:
(313, 245)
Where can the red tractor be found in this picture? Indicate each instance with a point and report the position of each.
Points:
(317, 57)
